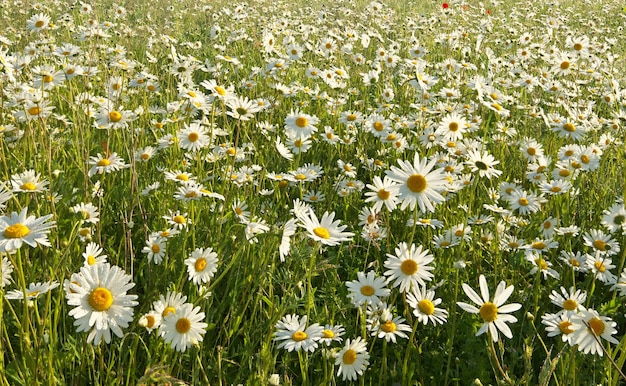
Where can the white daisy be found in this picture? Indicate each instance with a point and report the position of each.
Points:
(18, 229)
(184, 328)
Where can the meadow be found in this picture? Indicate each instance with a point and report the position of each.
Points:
(312, 193)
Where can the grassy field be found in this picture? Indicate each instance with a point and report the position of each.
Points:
(347, 192)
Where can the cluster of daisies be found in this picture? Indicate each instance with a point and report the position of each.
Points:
(335, 113)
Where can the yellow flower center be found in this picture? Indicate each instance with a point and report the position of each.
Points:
(578, 46)
(383, 194)
(183, 325)
(570, 304)
(367, 290)
(388, 326)
(200, 264)
(179, 219)
(39, 23)
(103, 162)
(150, 321)
(328, 334)
(378, 126)
(453, 126)
(169, 310)
(115, 116)
(16, 231)
(599, 245)
(193, 137)
(302, 122)
(426, 306)
(182, 177)
(564, 327)
(156, 248)
(599, 266)
(489, 312)
(35, 110)
(585, 159)
(523, 201)
(91, 260)
(322, 232)
(349, 357)
(541, 263)
(299, 336)
(539, 245)
(408, 267)
(564, 65)
(48, 78)
(220, 90)
(28, 186)
(100, 299)
(417, 183)
(597, 326)
(145, 156)
(569, 127)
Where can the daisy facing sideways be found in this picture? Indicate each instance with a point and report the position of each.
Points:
(326, 231)
(493, 312)
(17, 229)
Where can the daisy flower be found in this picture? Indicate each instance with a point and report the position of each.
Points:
(409, 267)
(600, 268)
(353, 359)
(93, 254)
(177, 220)
(419, 183)
(570, 301)
(602, 243)
(88, 211)
(201, 265)
(17, 229)
(5, 273)
(367, 289)
(326, 231)
(293, 334)
(150, 321)
(28, 182)
(33, 291)
(424, 306)
(193, 137)
(494, 313)
(155, 248)
(383, 192)
(483, 163)
(385, 325)
(524, 202)
(289, 229)
(559, 324)
(452, 127)
(588, 328)
(614, 218)
(169, 303)
(184, 328)
(105, 164)
(101, 304)
(332, 333)
(38, 22)
(301, 125)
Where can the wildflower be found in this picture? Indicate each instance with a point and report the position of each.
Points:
(254, 228)
(295, 336)
(201, 265)
(353, 359)
(494, 313)
(28, 182)
(569, 301)
(383, 192)
(5, 272)
(419, 183)
(193, 137)
(589, 327)
(33, 291)
(183, 328)
(332, 333)
(600, 268)
(602, 243)
(524, 202)
(367, 289)
(155, 248)
(483, 163)
(38, 22)
(105, 164)
(424, 305)
(168, 304)
(614, 218)
(101, 305)
(289, 229)
(178, 220)
(18, 229)
(88, 211)
(93, 254)
(409, 267)
(385, 325)
(559, 324)
(150, 321)
(326, 231)
(301, 125)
